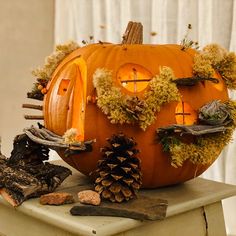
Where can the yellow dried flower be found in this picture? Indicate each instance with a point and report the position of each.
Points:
(70, 136)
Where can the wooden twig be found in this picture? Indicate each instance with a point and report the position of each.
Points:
(194, 130)
(32, 106)
(53, 141)
(190, 81)
(33, 117)
(25, 174)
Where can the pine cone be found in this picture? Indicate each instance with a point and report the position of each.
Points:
(118, 173)
(134, 108)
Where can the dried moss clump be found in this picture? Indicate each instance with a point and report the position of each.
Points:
(52, 61)
(214, 57)
(122, 108)
(204, 152)
(162, 91)
(43, 74)
(207, 147)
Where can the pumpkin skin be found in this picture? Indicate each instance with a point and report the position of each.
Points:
(67, 107)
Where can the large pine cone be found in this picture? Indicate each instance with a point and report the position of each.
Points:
(119, 172)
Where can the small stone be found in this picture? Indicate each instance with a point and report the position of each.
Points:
(56, 199)
(89, 197)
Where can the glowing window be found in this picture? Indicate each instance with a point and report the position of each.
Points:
(185, 114)
(63, 86)
(133, 77)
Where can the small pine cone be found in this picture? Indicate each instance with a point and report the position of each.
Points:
(134, 107)
(118, 173)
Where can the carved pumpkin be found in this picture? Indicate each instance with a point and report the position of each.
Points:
(69, 102)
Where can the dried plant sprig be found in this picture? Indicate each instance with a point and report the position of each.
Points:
(214, 57)
(188, 43)
(122, 108)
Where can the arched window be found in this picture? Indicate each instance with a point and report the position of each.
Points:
(133, 77)
(185, 114)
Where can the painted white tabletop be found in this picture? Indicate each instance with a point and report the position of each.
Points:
(181, 198)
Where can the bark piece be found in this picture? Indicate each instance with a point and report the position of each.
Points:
(89, 197)
(191, 81)
(142, 208)
(25, 174)
(47, 138)
(56, 199)
(194, 130)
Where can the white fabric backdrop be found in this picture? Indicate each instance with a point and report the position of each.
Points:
(106, 20)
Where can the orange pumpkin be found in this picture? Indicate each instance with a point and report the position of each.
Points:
(68, 103)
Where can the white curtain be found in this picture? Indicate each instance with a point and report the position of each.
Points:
(164, 21)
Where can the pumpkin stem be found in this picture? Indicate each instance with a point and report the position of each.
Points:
(133, 33)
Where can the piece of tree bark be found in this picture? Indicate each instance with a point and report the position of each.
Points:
(142, 208)
(194, 130)
(25, 174)
(191, 81)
